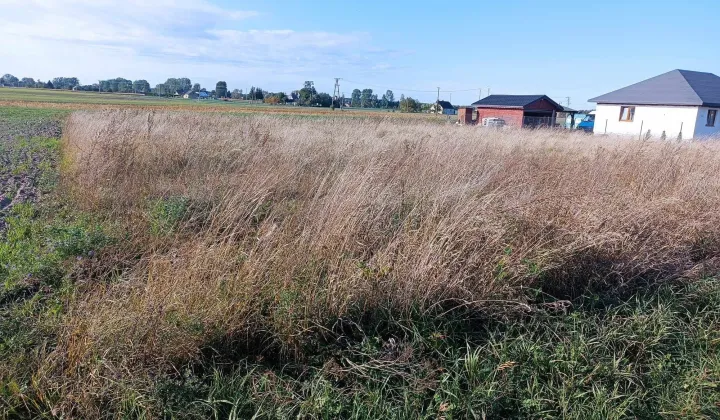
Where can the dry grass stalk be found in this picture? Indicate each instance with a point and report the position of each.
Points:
(289, 223)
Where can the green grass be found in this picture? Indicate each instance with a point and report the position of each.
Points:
(28, 115)
(66, 96)
(56, 96)
(106, 98)
(651, 356)
(38, 250)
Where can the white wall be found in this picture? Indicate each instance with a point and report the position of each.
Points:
(654, 118)
(701, 129)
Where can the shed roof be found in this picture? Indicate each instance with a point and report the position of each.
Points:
(512, 101)
(676, 87)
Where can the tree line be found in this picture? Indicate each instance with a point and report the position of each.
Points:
(306, 96)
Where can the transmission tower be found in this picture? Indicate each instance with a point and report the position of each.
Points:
(336, 93)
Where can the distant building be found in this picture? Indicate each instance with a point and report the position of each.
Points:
(196, 95)
(566, 117)
(443, 107)
(519, 110)
(677, 104)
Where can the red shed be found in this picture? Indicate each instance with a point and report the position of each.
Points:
(519, 110)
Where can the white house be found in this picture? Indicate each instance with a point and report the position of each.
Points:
(680, 103)
(443, 107)
(196, 95)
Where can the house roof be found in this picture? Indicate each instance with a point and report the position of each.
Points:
(677, 87)
(511, 101)
(567, 109)
(445, 105)
(202, 94)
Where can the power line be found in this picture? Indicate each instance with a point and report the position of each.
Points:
(407, 90)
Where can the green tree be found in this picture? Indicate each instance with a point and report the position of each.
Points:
(307, 93)
(65, 82)
(141, 86)
(409, 104)
(355, 98)
(184, 85)
(161, 89)
(9, 80)
(220, 89)
(390, 96)
(125, 86)
(323, 99)
(27, 82)
(196, 87)
(172, 85)
(388, 99)
(366, 98)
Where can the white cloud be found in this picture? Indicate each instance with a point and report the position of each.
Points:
(156, 39)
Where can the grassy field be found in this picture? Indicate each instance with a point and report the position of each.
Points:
(11, 98)
(198, 265)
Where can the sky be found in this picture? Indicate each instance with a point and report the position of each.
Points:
(562, 49)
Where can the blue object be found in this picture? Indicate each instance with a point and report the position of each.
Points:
(587, 124)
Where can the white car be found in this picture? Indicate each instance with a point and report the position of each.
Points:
(493, 122)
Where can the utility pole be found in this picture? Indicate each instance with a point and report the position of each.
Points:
(336, 92)
(488, 91)
(568, 101)
(479, 93)
(450, 97)
(438, 98)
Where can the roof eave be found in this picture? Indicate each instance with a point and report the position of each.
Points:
(498, 106)
(645, 103)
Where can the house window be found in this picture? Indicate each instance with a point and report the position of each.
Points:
(712, 113)
(627, 113)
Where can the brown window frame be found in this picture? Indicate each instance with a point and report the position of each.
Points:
(631, 113)
(709, 123)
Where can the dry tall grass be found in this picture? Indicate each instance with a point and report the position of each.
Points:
(287, 224)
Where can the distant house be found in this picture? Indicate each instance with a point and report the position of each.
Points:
(676, 104)
(519, 110)
(443, 107)
(196, 95)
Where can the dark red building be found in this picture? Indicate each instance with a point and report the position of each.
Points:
(518, 110)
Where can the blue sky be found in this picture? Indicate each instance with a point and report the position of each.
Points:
(575, 49)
